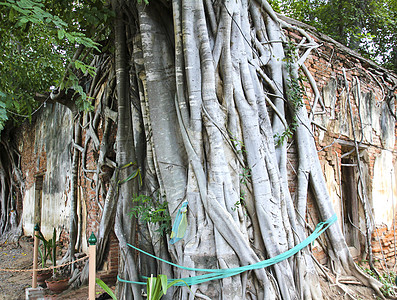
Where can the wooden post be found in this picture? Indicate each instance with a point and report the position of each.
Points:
(92, 266)
(35, 254)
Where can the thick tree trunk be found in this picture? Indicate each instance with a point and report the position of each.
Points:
(11, 189)
(73, 227)
(200, 98)
(124, 226)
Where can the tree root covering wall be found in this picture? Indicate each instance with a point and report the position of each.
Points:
(344, 80)
(201, 101)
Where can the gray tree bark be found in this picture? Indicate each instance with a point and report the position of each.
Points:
(125, 155)
(201, 92)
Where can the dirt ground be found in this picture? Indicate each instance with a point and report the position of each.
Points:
(13, 285)
(359, 292)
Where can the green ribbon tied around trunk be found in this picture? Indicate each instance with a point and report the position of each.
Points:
(180, 224)
(213, 274)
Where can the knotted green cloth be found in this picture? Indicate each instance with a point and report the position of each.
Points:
(180, 224)
(212, 274)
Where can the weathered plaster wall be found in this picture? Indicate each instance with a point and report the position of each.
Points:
(384, 192)
(46, 146)
(333, 190)
(358, 111)
(28, 213)
(46, 150)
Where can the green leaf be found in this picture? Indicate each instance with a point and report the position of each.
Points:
(35, 49)
(25, 4)
(150, 286)
(18, 9)
(164, 284)
(156, 287)
(80, 65)
(132, 176)
(22, 21)
(61, 34)
(105, 288)
(176, 281)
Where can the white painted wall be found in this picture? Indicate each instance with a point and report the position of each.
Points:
(384, 191)
(28, 211)
(53, 132)
(333, 190)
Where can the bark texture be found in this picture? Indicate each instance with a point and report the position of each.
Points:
(210, 87)
(11, 190)
(205, 95)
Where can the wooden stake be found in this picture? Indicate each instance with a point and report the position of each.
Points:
(35, 255)
(92, 266)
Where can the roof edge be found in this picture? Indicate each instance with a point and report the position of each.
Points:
(323, 37)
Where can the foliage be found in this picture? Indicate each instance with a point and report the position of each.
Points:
(365, 26)
(387, 279)
(239, 148)
(294, 85)
(238, 145)
(149, 210)
(135, 174)
(158, 286)
(38, 41)
(3, 111)
(53, 248)
(293, 92)
(49, 248)
(239, 203)
(106, 288)
(245, 176)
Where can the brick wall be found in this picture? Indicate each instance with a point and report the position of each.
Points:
(326, 64)
(33, 140)
(95, 202)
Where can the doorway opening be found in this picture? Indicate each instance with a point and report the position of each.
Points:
(38, 195)
(350, 202)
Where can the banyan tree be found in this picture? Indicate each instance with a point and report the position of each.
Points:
(208, 96)
(203, 98)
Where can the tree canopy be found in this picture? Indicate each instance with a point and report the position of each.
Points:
(365, 26)
(39, 40)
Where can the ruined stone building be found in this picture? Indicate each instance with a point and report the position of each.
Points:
(353, 122)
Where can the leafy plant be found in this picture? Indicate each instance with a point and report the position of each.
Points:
(158, 286)
(106, 288)
(49, 248)
(239, 145)
(294, 93)
(245, 175)
(365, 26)
(38, 41)
(287, 134)
(240, 202)
(387, 279)
(149, 210)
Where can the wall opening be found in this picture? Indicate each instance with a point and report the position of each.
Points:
(38, 196)
(350, 202)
